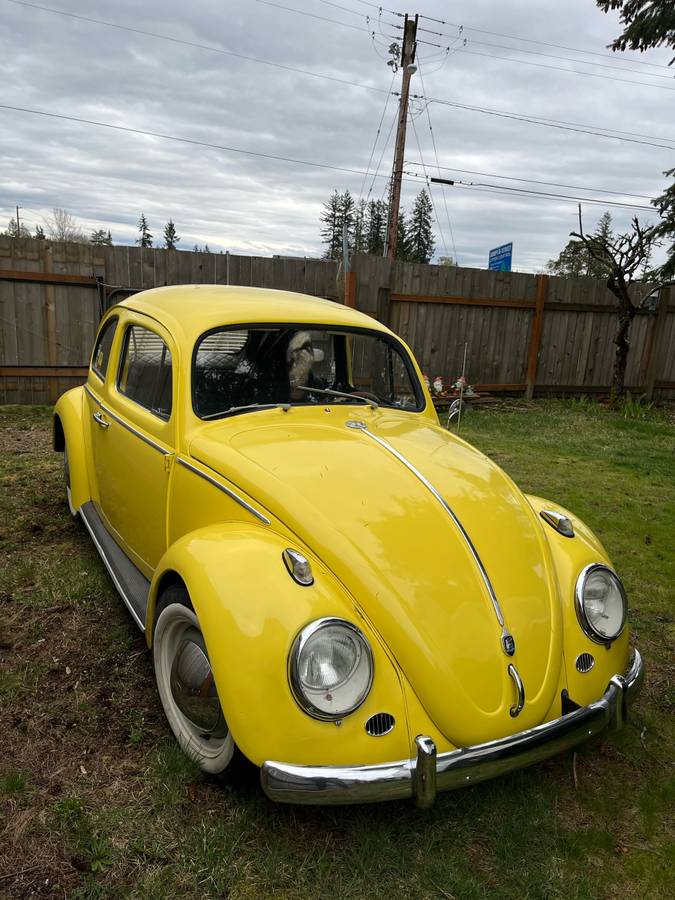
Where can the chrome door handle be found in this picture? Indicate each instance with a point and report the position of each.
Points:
(518, 708)
(98, 418)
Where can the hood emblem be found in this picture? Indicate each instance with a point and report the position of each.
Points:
(356, 423)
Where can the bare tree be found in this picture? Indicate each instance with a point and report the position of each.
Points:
(64, 227)
(622, 256)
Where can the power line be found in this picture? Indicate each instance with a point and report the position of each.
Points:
(537, 120)
(379, 163)
(499, 188)
(573, 187)
(515, 37)
(527, 62)
(377, 135)
(309, 15)
(431, 196)
(548, 123)
(356, 12)
(566, 59)
(181, 140)
(197, 46)
(433, 141)
(471, 41)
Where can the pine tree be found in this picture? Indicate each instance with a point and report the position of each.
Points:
(39, 233)
(145, 239)
(170, 236)
(377, 227)
(339, 212)
(347, 219)
(101, 237)
(15, 231)
(330, 218)
(420, 233)
(360, 228)
(403, 248)
(666, 228)
(207, 249)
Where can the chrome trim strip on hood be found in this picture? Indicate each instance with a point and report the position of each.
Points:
(361, 426)
(226, 490)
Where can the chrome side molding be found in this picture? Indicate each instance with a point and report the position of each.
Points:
(139, 434)
(226, 490)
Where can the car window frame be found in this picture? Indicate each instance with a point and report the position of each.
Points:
(392, 340)
(128, 325)
(103, 328)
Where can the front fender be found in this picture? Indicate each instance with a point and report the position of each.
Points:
(69, 431)
(570, 556)
(250, 611)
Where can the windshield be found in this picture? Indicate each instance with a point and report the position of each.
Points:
(247, 367)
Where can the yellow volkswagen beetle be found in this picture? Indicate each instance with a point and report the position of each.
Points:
(333, 586)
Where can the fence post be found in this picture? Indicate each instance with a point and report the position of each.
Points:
(535, 335)
(652, 356)
(50, 323)
(350, 289)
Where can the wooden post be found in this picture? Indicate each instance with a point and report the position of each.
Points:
(652, 356)
(350, 289)
(49, 310)
(535, 336)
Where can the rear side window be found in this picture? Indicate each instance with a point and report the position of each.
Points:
(101, 355)
(145, 371)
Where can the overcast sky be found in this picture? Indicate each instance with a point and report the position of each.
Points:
(254, 205)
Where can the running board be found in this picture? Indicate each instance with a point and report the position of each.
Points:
(132, 586)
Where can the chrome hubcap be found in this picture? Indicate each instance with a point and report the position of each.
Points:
(194, 689)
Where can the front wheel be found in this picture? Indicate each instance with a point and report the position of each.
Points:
(186, 685)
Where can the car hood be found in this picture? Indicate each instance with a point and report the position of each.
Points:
(386, 534)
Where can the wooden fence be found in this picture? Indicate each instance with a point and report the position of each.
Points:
(524, 333)
(52, 296)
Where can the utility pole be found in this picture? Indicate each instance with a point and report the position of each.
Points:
(18, 222)
(409, 69)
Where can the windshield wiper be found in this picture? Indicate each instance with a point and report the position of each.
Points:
(331, 393)
(234, 409)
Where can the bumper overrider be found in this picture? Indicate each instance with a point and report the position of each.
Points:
(426, 774)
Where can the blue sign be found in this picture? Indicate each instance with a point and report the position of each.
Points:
(500, 258)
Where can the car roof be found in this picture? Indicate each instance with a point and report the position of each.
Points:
(190, 310)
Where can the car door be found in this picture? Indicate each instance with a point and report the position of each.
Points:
(133, 431)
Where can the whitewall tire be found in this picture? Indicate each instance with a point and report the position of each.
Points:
(186, 686)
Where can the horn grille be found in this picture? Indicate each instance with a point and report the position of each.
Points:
(380, 724)
(585, 662)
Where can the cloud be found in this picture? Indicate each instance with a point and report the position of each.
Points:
(255, 205)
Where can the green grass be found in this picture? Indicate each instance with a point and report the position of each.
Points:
(96, 800)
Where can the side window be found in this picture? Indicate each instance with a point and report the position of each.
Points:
(101, 355)
(145, 371)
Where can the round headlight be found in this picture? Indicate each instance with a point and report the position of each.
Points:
(331, 668)
(601, 603)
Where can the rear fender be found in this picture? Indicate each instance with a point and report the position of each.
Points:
(250, 611)
(68, 430)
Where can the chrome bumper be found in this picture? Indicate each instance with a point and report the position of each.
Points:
(428, 773)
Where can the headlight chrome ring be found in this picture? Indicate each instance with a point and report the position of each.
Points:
(589, 607)
(330, 668)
